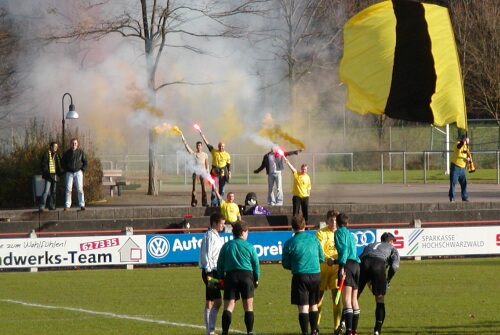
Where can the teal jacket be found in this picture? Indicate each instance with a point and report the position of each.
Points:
(238, 254)
(302, 254)
(346, 246)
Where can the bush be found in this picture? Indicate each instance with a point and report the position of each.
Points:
(19, 166)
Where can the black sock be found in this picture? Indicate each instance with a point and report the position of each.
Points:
(304, 322)
(347, 313)
(379, 317)
(249, 321)
(226, 321)
(355, 319)
(313, 320)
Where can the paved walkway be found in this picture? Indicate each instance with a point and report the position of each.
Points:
(179, 195)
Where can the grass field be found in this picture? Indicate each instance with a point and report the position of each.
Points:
(450, 296)
(361, 177)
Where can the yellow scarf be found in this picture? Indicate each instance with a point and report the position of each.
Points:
(52, 167)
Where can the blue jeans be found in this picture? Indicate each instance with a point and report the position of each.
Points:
(458, 174)
(77, 178)
(49, 191)
(274, 179)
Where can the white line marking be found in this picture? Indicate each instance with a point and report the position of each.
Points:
(110, 315)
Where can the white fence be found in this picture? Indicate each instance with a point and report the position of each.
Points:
(379, 163)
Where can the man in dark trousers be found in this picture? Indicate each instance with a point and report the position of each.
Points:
(349, 271)
(302, 254)
(221, 168)
(376, 257)
(238, 265)
(74, 162)
(301, 190)
(50, 164)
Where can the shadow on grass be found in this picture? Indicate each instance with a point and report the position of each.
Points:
(491, 327)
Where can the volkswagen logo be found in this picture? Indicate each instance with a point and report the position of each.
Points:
(158, 247)
(364, 237)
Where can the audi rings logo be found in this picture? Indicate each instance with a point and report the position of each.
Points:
(158, 247)
(364, 237)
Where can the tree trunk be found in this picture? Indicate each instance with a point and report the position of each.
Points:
(153, 181)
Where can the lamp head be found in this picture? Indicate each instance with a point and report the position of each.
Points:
(72, 114)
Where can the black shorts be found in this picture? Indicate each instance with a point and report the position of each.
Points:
(373, 270)
(238, 283)
(352, 274)
(210, 293)
(305, 289)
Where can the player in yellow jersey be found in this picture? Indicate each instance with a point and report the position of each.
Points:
(329, 268)
(221, 168)
(228, 207)
(301, 189)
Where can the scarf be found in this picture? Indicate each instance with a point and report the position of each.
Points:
(52, 167)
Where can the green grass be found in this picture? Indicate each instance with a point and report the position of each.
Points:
(366, 177)
(412, 176)
(444, 297)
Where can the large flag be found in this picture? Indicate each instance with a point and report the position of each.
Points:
(400, 59)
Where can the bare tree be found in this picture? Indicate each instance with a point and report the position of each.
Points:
(477, 29)
(8, 48)
(305, 36)
(12, 83)
(152, 22)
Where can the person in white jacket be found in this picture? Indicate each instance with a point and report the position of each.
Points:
(211, 245)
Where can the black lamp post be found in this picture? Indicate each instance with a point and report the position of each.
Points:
(72, 114)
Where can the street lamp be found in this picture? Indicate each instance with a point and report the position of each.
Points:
(72, 114)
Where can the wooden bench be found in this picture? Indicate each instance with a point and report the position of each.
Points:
(115, 183)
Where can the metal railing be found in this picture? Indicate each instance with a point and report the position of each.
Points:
(321, 165)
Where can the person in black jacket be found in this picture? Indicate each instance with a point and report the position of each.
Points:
(50, 164)
(74, 162)
(273, 163)
(375, 259)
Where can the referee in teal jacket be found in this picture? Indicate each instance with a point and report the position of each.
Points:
(238, 265)
(349, 271)
(302, 254)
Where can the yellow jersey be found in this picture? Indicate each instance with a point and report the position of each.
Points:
(220, 158)
(301, 184)
(327, 241)
(230, 210)
(459, 157)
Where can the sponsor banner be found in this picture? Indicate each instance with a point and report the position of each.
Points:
(185, 248)
(136, 249)
(72, 251)
(446, 241)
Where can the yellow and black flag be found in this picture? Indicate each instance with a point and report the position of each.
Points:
(400, 59)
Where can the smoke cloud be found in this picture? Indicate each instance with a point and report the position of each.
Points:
(107, 81)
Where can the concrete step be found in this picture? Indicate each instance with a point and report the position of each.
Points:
(161, 217)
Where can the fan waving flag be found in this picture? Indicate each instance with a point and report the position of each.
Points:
(400, 59)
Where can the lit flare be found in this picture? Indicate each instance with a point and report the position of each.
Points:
(216, 281)
(176, 130)
(210, 180)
